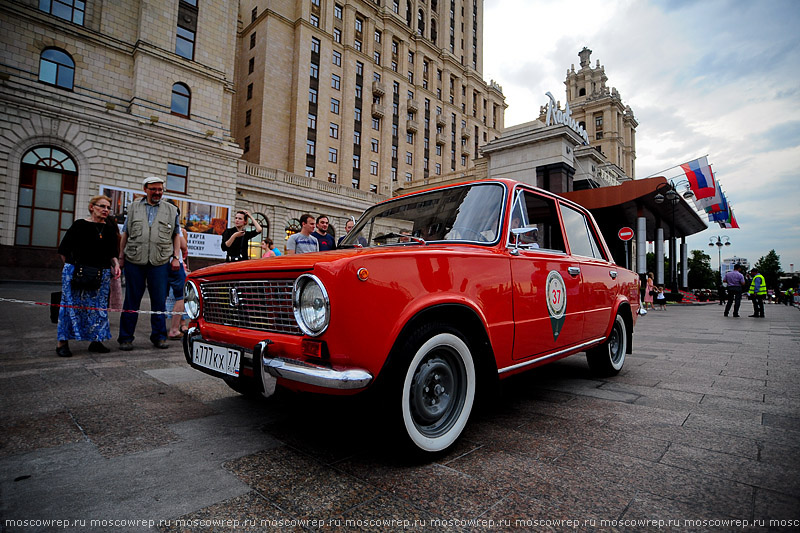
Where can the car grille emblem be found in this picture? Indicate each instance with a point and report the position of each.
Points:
(234, 297)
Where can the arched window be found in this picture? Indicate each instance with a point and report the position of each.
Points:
(46, 206)
(433, 31)
(254, 245)
(421, 23)
(56, 67)
(181, 100)
(582, 91)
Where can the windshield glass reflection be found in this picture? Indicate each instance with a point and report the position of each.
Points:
(471, 213)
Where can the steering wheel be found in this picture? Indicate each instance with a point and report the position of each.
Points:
(463, 230)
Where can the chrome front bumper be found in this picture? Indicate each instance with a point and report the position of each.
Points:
(309, 373)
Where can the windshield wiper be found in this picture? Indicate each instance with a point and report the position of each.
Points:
(409, 238)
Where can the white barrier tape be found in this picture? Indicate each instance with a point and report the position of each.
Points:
(28, 302)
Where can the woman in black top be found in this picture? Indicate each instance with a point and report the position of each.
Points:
(83, 314)
(235, 239)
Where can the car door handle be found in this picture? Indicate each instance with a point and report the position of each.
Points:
(574, 271)
(613, 274)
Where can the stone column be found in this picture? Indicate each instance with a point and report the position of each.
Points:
(684, 264)
(659, 256)
(641, 245)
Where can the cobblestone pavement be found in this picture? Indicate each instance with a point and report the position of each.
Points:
(702, 427)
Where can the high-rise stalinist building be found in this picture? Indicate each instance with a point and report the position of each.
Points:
(280, 107)
(599, 110)
(369, 94)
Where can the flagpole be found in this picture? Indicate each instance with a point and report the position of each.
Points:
(673, 166)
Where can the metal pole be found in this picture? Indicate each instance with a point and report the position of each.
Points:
(673, 266)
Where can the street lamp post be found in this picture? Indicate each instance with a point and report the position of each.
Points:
(719, 241)
(668, 192)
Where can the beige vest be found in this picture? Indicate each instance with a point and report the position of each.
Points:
(150, 244)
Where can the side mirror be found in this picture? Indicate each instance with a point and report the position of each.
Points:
(521, 231)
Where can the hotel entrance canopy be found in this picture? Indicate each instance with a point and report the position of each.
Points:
(621, 205)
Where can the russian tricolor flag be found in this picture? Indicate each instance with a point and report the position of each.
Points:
(701, 179)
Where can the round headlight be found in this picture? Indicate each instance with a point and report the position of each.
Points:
(191, 300)
(311, 305)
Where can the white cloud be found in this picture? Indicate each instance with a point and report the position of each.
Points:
(715, 77)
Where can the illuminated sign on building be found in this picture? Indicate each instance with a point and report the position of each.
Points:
(556, 116)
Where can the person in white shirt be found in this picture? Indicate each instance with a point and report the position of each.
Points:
(303, 242)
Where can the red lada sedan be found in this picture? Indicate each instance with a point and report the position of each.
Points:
(430, 298)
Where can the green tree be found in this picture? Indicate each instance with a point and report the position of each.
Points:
(769, 266)
(701, 276)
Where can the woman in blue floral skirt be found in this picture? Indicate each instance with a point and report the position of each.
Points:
(83, 314)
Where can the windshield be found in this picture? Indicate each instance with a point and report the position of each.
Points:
(469, 213)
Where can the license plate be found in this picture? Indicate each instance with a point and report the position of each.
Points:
(220, 358)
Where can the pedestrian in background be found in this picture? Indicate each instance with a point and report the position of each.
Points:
(303, 242)
(268, 249)
(325, 239)
(151, 247)
(348, 227)
(649, 292)
(115, 294)
(235, 240)
(176, 280)
(89, 243)
(758, 290)
(661, 298)
(735, 283)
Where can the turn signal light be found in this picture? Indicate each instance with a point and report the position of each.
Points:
(314, 348)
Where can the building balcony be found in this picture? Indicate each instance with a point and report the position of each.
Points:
(412, 105)
(378, 110)
(441, 120)
(465, 133)
(412, 126)
(441, 140)
(378, 88)
(464, 150)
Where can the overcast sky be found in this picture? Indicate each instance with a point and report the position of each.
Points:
(720, 78)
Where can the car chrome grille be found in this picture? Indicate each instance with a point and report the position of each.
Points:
(258, 305)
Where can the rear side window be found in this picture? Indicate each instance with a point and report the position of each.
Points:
(579, 234)
(538, 215)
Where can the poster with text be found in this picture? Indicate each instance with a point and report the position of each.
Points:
(203, 221)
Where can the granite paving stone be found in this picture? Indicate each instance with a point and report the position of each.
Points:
(702, 424)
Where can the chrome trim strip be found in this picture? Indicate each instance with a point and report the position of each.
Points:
(312, 374)
(551, 355)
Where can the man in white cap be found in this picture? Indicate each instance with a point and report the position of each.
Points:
(150, 247)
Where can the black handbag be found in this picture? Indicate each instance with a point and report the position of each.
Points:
(55, 303)
(87, 278)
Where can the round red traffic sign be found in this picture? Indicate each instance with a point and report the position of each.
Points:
(625, 234)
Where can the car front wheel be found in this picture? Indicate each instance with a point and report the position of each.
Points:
(438, 390)
(608, 358)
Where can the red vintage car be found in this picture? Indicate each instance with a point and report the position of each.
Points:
(430, 298)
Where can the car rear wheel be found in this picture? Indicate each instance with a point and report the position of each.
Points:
(608, 358)
(438, 388)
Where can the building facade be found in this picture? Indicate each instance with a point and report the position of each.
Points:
(96, 95)
(369, 94)
(730, 262)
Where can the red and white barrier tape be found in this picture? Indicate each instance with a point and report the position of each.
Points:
(28, 302)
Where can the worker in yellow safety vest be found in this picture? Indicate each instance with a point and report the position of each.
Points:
(758, 290)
